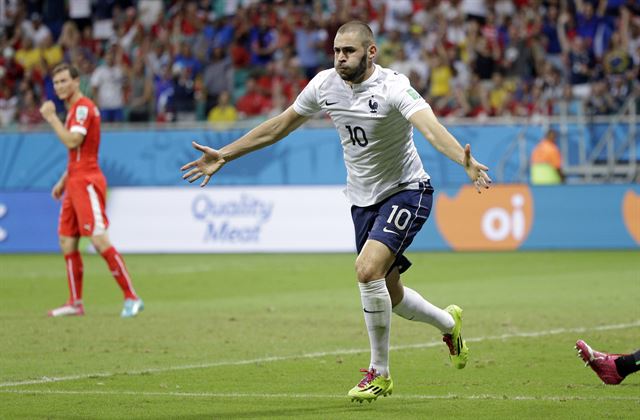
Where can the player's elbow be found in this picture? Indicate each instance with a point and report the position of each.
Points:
(74, 140)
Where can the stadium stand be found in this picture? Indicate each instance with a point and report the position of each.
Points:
(468, 58)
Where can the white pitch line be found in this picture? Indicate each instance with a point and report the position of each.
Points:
(237, 395)
(270, 359)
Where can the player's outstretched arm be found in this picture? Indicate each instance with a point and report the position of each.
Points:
(427, 123)
(263, 135)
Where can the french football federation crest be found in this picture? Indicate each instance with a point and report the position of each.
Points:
(373, 105)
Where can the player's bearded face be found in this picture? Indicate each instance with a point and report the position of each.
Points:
(350, 60)
(353, 74)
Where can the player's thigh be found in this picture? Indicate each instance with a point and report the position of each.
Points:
(374, 261)
(401, 217)
(363, 219)
(89, 202)
(68, 221)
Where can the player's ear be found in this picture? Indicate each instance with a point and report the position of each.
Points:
(372, 51)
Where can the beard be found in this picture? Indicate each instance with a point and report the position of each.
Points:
(354, 75)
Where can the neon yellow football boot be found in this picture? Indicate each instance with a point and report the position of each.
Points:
(458, 350)
(371, 387)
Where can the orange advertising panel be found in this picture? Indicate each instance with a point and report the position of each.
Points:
(631, 214)
(498, 219)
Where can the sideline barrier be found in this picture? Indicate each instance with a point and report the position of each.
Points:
(308, 156)
(317, 219)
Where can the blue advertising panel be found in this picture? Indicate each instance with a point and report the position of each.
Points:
(308, 156)
(28, 222)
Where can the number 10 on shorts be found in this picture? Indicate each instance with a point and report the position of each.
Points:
(399, 218)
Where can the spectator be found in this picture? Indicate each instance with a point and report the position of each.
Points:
(54, 15)
(485, 59)
(499, 95)
(35, 29)
(149, 11)
(89, 43)
(263, 40)
(397, 15)
(52, 53)
(224, 112)
(183, 99)
(600, 101)
(617, 60)
(8, 106)
(69, 38)
(158, 58)
(217, 77)
(546, 162)
(13, 71)
(186, 60)
(28, 55)
(579, 59)
(252, 103)
(551, 40)
(388, 48)
(218, 32)
(588, 21)
(164, 89)
(441, 79)
(523, 54)
(406, 66)
(108, 82)
(309, 40)
(141, 94)
(80, 13)
(29, 114)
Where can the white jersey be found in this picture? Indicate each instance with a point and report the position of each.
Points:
(376, 136)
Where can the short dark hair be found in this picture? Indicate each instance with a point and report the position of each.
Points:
(362, 29)
(73, 71)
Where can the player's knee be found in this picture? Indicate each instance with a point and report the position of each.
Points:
(101, 243)
(366, 272)
(67, 244)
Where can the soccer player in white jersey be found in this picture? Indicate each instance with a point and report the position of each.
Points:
(374, 110)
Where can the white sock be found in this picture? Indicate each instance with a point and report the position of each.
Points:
(415, 308)
(376, 305)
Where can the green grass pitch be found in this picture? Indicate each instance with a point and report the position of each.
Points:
(282, 336)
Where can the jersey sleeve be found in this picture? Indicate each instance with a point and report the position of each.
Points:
(306, 104)
(79, 119)
(406, 99)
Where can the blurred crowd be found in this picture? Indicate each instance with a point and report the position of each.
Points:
(224, 60)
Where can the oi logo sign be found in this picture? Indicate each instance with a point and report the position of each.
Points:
(499, 219)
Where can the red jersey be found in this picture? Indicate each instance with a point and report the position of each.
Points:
(84, 118)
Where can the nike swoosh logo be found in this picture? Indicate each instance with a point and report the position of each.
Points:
(372, 312)
(327, 103)
(384, 229)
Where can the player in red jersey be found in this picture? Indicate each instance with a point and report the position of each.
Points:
(83, 188)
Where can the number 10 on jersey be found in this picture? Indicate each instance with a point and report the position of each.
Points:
(357, 135)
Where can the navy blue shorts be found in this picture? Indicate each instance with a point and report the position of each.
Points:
(395, 221)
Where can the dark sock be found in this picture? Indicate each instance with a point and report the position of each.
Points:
(627, 364)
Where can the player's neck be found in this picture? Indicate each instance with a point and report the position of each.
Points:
(74, 98)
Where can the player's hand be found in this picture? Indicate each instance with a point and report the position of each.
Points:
(476, 171)
(57, 190)
(208, 164)
(48, 110)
